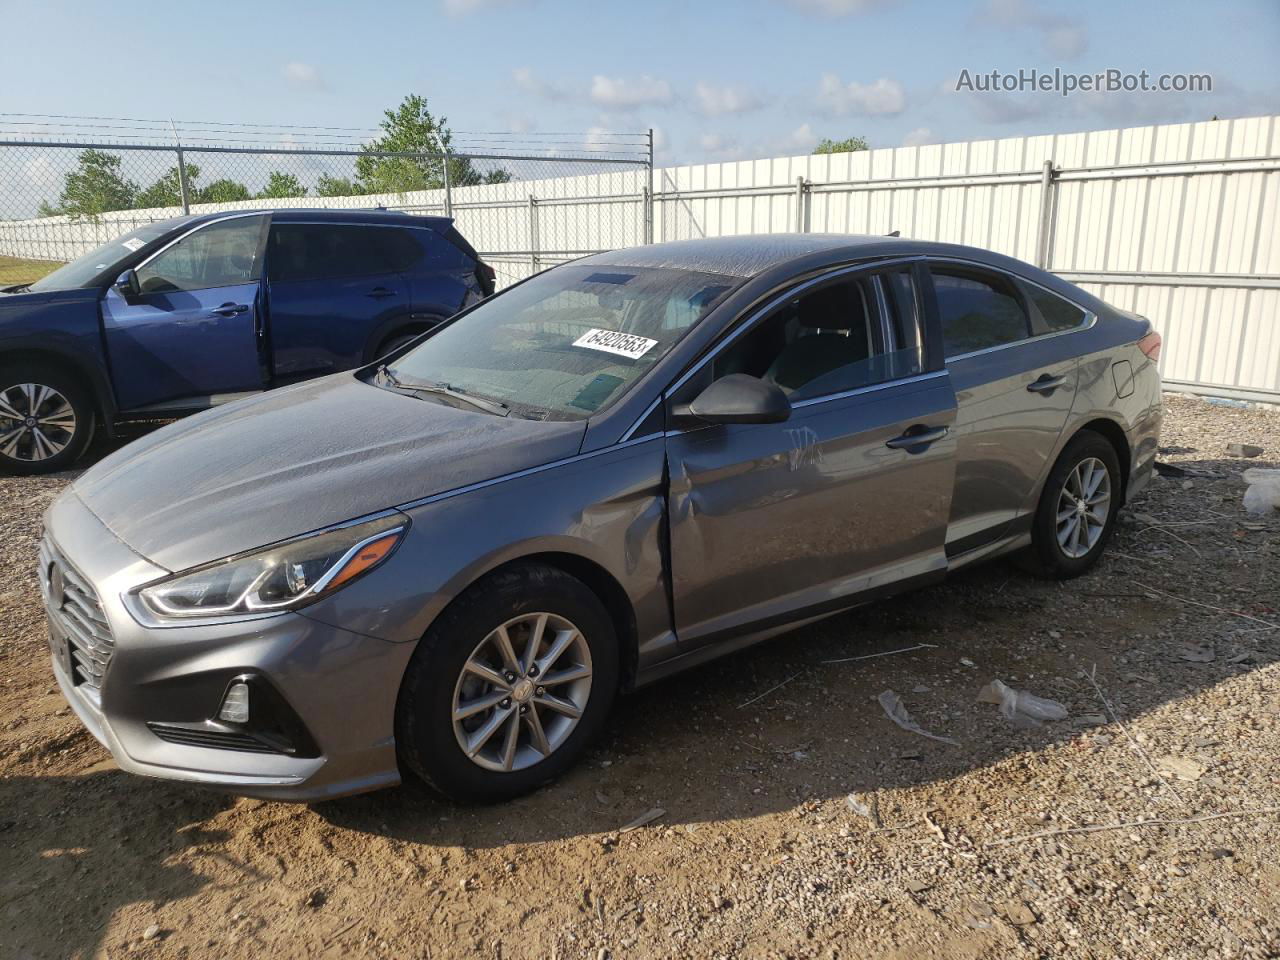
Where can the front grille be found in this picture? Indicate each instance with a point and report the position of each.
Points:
(195, 735)
(73, 607)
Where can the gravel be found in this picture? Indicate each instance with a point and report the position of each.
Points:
(806, 824)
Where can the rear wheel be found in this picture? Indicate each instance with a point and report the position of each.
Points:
(509, 686)
(46, 419)
(1077, 510)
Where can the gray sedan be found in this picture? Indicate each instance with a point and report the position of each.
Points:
(449, 563)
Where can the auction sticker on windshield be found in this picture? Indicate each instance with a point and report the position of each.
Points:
(613, 341)
(133, 244)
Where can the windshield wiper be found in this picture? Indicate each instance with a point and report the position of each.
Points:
(496, 407)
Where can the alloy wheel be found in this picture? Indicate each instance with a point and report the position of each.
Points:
(1083, 507)
(522, 691)
(36, 422)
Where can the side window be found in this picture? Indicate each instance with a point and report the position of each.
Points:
(442, 254)
(978, 310)
(1049, 312)
(223, 254)
(324, 251)
(401, 248)
(839, 337)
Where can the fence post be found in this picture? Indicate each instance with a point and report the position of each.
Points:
(802, 205)
(183, 190)
(448, 189)
(182, 183)
(535, 260)
(648, 194)
(1044, 237)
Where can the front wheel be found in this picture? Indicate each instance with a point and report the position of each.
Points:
(1077, 510)
(46, 419)
(509, 686)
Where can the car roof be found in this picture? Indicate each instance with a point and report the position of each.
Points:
(368, 215)
(749, 255)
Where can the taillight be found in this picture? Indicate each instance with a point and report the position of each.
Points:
(488, 277)
(1150, 345)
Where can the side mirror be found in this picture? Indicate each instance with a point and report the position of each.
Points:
(738, 398)
(127, 285)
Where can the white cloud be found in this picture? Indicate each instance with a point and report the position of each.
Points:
(882, 97)
(460, 8)
(527, 80)
(300, 74)
(919, 137)
(800, 140)
(1064, 38)
(623, 94)
(834, 8)
(715, 101)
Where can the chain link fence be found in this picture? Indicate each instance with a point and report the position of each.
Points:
(522, 212)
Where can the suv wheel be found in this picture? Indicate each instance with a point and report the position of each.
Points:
(46, 419)
(509, 685)
(1077, 510)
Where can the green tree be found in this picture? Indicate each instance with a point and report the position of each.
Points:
(328, 186)
(94, 187)
(411, 128)
(223, 191)
(852, 145)
(280, 184)
(167, 191)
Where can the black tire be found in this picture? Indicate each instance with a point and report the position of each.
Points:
(1046, 557)
(29, 454)
(426, 742)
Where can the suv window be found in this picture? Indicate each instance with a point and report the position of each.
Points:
(978, 310)
(849, 334)
(1049, 312)
(321, 251)
(223, 254)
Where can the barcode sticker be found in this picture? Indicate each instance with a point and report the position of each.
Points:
(613, 341)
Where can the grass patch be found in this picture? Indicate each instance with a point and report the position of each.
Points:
(15, 270)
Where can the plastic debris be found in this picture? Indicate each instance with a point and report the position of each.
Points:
(892, 704)
(644, 819)
(869, 807)
(1263, 493)
(1021, 707)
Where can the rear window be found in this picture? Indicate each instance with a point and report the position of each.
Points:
(318, 251)
(978, 310)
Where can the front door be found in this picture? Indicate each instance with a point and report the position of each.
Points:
(192, 330)
(772, 523)
(332, 288)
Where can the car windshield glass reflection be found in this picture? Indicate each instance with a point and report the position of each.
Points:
(84, 270)
(566, 343)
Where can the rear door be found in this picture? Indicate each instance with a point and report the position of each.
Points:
(1014, 389)
(770, 523)
(446, 280)
(194, 329)
(331, 288)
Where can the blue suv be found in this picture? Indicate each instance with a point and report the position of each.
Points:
(189, 313)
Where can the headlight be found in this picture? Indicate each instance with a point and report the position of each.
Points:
(282, 577)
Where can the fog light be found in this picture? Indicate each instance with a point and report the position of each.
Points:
(235, 707)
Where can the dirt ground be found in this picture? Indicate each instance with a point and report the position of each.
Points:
(760, 851)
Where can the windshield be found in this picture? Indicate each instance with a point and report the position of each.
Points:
(567, 342)
(83, 271)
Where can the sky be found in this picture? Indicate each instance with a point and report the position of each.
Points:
(715, 80)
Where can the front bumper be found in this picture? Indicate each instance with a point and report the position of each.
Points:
(341, 685)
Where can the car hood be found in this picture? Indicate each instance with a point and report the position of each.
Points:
(297, 459)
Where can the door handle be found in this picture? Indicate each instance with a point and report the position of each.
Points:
(1046, 384)
(922, 437)
(230, 309)
(378, 293)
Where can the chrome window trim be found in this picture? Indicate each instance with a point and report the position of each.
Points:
(1090, 318)
(870, 388)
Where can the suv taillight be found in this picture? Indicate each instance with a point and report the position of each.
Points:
(487, 276)
(1150, 345)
